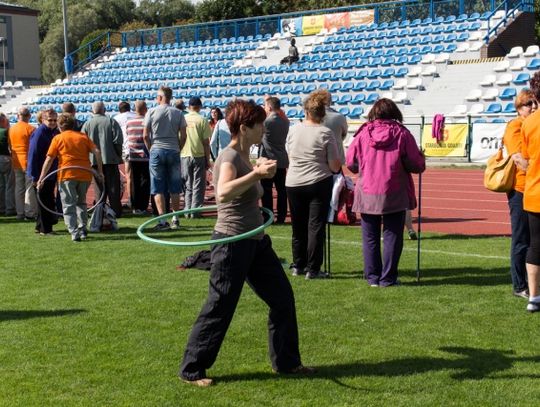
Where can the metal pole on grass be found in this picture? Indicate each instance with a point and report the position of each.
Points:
(418, 243)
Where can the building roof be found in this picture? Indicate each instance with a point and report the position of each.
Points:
(10, 8)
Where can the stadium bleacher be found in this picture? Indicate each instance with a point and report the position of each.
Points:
(400, 59)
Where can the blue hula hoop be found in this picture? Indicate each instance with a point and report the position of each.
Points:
(230, 239)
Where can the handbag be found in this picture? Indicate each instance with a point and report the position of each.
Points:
(500, 173)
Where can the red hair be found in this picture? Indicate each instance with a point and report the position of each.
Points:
(243, 112)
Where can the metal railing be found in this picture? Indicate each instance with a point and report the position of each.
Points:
(511, 8)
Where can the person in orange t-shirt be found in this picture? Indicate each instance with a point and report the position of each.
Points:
(72, 149)
(19, 139)
(529, 161)
(525, 105)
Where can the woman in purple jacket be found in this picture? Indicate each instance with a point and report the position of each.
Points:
(384, 154)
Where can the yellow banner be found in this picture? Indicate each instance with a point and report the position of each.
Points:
(312, 24)
(361, 17)
(452, 145)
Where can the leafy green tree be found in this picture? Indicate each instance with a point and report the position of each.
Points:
(163, 13)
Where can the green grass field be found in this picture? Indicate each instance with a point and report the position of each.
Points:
(104, 323)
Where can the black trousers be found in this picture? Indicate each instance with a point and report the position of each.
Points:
(111, 184)
(268, 198)
(533, 253)
(309, 206)
(255, 262)
(45, 220)
(140, 184)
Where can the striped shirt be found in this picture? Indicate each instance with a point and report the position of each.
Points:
(135, 142)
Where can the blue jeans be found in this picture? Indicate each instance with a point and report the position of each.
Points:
(165, 171)
(520, 240)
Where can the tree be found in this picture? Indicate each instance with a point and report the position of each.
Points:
(163, 13)
(217, 10)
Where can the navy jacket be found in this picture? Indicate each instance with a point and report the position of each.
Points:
(40, 140)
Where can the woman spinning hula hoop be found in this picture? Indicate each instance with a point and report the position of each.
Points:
(72, 149)
(238, 191)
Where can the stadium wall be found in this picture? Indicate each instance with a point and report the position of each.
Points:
(519, 33)
(19, 26)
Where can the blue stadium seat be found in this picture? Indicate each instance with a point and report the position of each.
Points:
(388, 73)
(335, 87)
(356, 112)
(344, 99)
(534, 64)
(494, 108)
(373, 85)
(372, 98)
(358, 98)
(401, 72)
(478, 121)
(387, 84)
(522, 79)
(498, 120)
(345, 111)
(474, 16)
(461, 18)
(508, 94)
(509, 108)
(359, 86)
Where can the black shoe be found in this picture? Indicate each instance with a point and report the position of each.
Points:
(162, 226)
(312, 275)
(298, 272)
(523, 294)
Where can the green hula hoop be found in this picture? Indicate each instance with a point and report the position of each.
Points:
(230, 239)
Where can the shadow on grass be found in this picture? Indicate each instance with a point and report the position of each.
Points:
(14, 315)
(474, 276)
(471, 364)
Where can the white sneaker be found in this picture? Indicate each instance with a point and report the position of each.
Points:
(175, 224)
(533, 306)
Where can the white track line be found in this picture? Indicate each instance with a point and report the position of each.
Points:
(351, 243)
(461, 199)
(464, 209)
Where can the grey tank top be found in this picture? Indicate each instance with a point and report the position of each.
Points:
(241, 214)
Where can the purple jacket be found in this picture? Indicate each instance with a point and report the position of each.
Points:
(384, 154)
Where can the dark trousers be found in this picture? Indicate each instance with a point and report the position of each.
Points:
(45, 219)
(268, 198)
(309, 206)
(256, 262)
(382, 271)
(533, 253)
(520, 240)
(140, 184)
(112, 187)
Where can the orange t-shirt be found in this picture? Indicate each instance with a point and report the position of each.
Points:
(72, 148)
(530, 149)
(19, 139)
(512, 141)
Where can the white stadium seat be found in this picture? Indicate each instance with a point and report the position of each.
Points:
(504, 79)
(518, 65)
(490, 94)
(430, 70)
(488, 80)
(502, 66)
(473, 95)
(476, 108)
(415, 71)
(459, 110)
(531, 51)
(515, 52)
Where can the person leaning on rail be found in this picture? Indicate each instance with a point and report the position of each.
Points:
(253, 260)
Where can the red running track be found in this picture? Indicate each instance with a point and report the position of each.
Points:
(454, 201)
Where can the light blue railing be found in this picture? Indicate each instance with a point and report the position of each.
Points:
(383, 12)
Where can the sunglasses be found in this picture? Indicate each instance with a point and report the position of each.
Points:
(530, 103)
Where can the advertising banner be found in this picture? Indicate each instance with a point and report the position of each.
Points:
(361, 17)
(312, 24)
(292, 25)
(452, 145)
(336, 20)
(486, 140)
